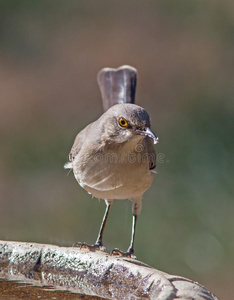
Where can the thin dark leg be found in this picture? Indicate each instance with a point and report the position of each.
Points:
(98, 245)
(131, 247)
(130, 251)
(100, 234)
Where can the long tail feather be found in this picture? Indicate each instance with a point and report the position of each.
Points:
(117, 85)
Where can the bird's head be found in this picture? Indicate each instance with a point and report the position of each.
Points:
(124, 122)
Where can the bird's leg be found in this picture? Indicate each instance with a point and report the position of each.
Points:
(101, 230)
(131, 247)
(98, 245)
(136, 209)
(130, 250)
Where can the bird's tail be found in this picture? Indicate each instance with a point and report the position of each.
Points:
(117, 85)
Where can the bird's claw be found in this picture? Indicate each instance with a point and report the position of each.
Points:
(94, 247)
(117, 252)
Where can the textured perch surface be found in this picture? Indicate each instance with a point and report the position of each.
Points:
(94, 274)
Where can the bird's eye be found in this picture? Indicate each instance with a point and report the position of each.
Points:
(123, 122)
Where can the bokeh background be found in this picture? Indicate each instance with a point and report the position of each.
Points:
(50, 53)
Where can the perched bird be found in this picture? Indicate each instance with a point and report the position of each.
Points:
(114, 157)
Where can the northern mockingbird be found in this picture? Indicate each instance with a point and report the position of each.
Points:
(114, 157)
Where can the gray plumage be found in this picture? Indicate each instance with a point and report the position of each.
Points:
(114, 154)
(117, 85)
(114, 157)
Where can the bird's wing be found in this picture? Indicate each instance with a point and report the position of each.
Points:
(100, 177)
(79, 140)
(96, 169)
(151, 152)
(117, 85)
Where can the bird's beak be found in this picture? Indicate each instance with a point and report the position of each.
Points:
(148, 132)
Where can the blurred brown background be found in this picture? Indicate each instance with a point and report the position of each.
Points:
(50, 53)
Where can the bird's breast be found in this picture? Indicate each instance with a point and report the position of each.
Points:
(117, 173)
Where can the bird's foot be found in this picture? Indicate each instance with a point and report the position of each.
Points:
(129, 253)
(90, 247)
